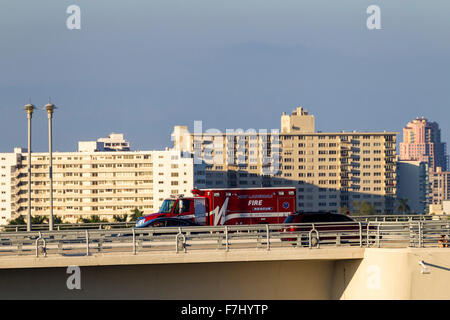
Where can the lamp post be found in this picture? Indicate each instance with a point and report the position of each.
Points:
(29, 108)
(50, 108)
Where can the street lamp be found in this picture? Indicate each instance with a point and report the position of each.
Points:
(29, 108)
(49, 107)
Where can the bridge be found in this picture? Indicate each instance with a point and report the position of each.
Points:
(363, 260)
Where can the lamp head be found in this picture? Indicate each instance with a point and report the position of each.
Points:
(49, 107)
(29, 108)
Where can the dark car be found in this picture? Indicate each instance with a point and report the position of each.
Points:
(323, 227)
(161, 223)
(316, 217)
(170, 222)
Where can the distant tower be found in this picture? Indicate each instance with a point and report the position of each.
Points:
(422, 142)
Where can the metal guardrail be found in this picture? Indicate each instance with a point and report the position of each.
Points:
(397, 218)
(131, 224)
(234, 237)
(69, 226)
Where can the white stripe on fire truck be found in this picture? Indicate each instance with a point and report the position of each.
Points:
(256, 215)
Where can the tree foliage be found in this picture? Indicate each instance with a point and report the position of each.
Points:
(18, 221)
(92, 219)
(135, 214)
(120, 217)
(58, 220)
(363, 208)
(403, 206)
(39, 220)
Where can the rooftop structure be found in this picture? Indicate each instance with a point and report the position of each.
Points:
(114, 142)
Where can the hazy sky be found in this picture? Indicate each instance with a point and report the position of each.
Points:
(142, 66)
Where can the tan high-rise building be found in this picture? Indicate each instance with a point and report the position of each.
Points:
(439, 187)
(330, 170)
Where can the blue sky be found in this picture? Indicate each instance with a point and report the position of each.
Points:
(142, 66)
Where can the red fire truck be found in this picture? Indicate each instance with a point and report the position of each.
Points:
(214, 207)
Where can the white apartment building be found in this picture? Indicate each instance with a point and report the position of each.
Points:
(94, 183)
(8, 164)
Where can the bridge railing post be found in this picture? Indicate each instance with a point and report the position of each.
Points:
(412, 237)
(360, 235)
(378, 234)
(44, 246)
(87, 242)
(134, 241)
(226, 238)
(420, 234)
(316, 238)
(180, 240)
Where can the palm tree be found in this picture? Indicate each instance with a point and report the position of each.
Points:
(403, 206)
(120, 218)
(136, 213)
(18, 220)
(364, 208)
(39, 220)
(57, 220)
(92, 219)
(84, 220)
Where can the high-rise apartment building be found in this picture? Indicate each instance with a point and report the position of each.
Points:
(439, 187)
(89, 183)
(329, 170)
(8, 165)
(413, 184)
(422, 142)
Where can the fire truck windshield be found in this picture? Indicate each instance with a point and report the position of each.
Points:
(167, 206)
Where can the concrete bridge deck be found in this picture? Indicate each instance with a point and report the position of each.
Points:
(256, 274)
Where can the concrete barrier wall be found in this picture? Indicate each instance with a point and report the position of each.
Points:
(230, 280)
(393, 274)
